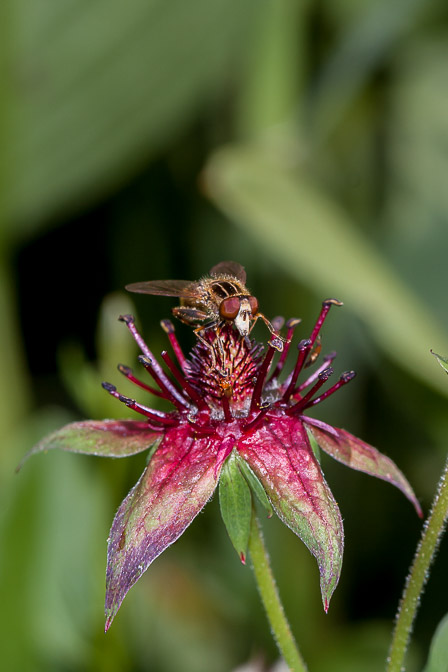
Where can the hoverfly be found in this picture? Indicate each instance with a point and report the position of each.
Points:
(209, 303)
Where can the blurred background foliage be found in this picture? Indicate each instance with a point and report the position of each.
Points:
(151, 139)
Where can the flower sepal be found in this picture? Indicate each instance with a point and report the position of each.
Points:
(104, 438)
(255, 485)
(235, 501)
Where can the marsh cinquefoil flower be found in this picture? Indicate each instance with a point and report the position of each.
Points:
(245, 425)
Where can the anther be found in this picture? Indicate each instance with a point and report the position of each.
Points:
(278, 322)
(155, 416)
(325, 374)
(127, 319)
(332, 302)
(146, 361)
(167, 326)
(276, 342)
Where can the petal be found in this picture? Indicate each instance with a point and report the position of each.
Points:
(281, 456)
(106, 438)
(178, 481)
(361, 456)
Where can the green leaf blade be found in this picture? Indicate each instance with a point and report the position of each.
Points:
(314, 240)
(438, 652)
(235, 502)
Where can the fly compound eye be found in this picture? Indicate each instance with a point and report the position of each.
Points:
(253, 304)
(229, 308)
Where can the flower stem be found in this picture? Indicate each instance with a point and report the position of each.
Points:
(271, 599)
(432, 532)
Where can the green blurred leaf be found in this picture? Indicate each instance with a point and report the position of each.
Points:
(114, 344)
(416, 203)
(103, 84)
(235, 502)
(275, 67)
(317, 243)
(53, 524)
(438, 653)
(364, 43)
(443, 361)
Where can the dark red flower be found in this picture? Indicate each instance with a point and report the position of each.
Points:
(246, 428)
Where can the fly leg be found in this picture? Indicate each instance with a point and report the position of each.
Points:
(211, 346)
(277, 343)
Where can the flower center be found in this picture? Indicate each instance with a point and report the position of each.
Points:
(225, 380)
(240, 361)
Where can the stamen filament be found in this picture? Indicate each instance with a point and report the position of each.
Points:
(194, 396)
(328, 359)
(226, 408)
(262, 373)
(291, 325)
(256, 422)
(155, 416)
(171, 393)
(303, 403)
(304, 347)
(326, 305)
(168, 385)
(343, 380)
(127, 371)
(168, 328)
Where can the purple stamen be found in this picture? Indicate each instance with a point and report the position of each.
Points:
(278, 322)
(171, 393)
(256, 422)
(303, 347)
(226, 408)
(262, 373)
(343, 380)
(127, 371)
(191, 392)
(168, 328)
(290, 325)
(326, 305)
(303, 403)
(328, 359)
(155, 416)
(130, 323)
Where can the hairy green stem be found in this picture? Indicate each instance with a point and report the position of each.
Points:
(271, 599)
(432, 532)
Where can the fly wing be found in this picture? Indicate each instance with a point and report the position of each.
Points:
(184, 288)
(230, 268)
